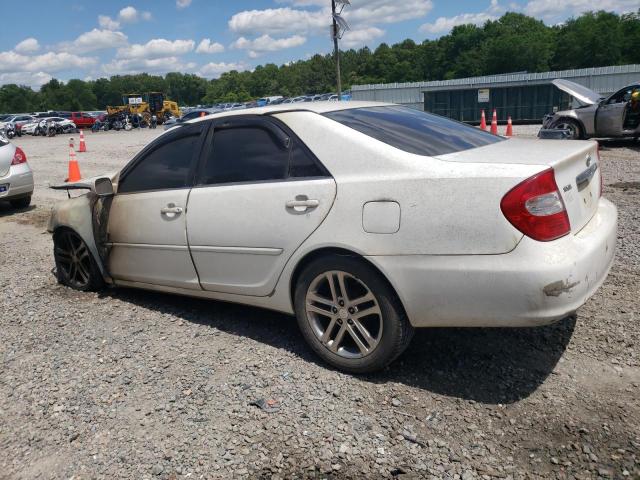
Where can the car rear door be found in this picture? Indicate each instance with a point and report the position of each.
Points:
(147, 220)
(259, 194)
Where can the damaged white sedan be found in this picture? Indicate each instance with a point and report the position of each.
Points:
(365, 220)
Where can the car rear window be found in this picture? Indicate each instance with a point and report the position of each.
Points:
(414, 131)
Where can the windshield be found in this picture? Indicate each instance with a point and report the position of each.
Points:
(414, 131)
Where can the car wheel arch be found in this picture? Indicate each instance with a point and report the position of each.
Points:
(577, 121)
(61, 228)
(336, 251)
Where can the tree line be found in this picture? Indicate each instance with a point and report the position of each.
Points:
(512, 43)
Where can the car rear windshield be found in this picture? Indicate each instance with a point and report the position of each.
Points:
(414, 131)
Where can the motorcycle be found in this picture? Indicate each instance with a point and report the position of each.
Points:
(9, 130)
(127, 124)
(46, 128)
(99, 126)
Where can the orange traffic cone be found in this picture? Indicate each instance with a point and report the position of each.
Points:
(509, 132)
(83, 146)
(74, 168)
(483, 120)
(494, 123)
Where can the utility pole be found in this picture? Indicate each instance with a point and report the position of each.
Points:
(336, 49)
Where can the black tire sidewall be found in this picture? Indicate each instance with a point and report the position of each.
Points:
(96, 281)
(395, 327)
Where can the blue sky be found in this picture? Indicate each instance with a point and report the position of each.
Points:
(89, 39)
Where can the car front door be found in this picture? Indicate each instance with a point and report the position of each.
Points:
(610, 114)
(259, 194)
(147, 220)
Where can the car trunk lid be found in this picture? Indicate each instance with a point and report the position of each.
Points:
(575, 164)
(6, 157)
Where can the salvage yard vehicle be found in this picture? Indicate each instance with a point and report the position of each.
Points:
(365, 220)
(596, 117)
(16, 178)
(80, 119)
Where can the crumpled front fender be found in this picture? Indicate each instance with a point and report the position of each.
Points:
(85, 215)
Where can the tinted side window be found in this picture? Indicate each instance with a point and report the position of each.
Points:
(413, 131)
(245, 154)
(165, 167)
(302, 164)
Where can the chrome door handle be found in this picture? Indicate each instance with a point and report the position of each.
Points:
(171, 208)
(302, 204)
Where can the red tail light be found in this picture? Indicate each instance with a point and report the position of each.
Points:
(535, 207)
(19, 157)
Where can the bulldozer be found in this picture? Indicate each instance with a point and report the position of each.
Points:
(146, 105)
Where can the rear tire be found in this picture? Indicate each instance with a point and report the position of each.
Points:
(75, 265)
(23, 202)
(349, 315)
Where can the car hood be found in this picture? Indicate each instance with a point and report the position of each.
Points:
(580, 92)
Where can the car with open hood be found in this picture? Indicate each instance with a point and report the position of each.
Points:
(594, 116)
(365, 220)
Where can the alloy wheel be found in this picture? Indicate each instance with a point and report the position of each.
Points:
(74, 259)
(344, 314)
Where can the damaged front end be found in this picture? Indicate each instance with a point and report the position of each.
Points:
(87, 215)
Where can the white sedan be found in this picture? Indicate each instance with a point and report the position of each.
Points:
(365, 220)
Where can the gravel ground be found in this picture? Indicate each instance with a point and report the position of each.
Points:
(132, 384)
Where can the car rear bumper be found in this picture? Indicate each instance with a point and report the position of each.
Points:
(535, 284)
(19, 181)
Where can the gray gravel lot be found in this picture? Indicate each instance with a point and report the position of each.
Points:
(132, 384)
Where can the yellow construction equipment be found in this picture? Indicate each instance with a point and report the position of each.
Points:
(146, 105)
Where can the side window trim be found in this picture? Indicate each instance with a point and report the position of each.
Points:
(252, 121)
(165, 139)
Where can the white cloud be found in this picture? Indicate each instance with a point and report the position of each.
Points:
(207, 46)
(108, 23)
(28, 45)
(386, 11)
(362, 16)
(128, 14)
(214, 70)
(359, 38)
(556, 10)
(156, 48)
(443, 25)
(277, 20)
(94, 40)
(183, 3)
(265, 43)
(151, 65)
(31, 79)
(47, 62)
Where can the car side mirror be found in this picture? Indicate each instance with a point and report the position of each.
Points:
(103, 187)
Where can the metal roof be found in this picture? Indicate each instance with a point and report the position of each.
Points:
(507, 78)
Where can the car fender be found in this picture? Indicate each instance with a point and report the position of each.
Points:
(83, 215)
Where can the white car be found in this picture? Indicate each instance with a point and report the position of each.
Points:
(365, 220)
(16, 179)
(64, 125)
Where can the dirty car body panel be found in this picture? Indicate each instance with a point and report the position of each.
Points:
(432, 225)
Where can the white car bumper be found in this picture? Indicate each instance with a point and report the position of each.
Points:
(18, 182)
(535, 284)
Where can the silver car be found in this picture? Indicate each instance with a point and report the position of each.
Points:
(16, 178)
(597, 117)
(365, 220)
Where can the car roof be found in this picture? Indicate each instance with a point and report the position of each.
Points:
(315, 107)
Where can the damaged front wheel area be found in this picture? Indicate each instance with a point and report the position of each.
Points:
(75, 266)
